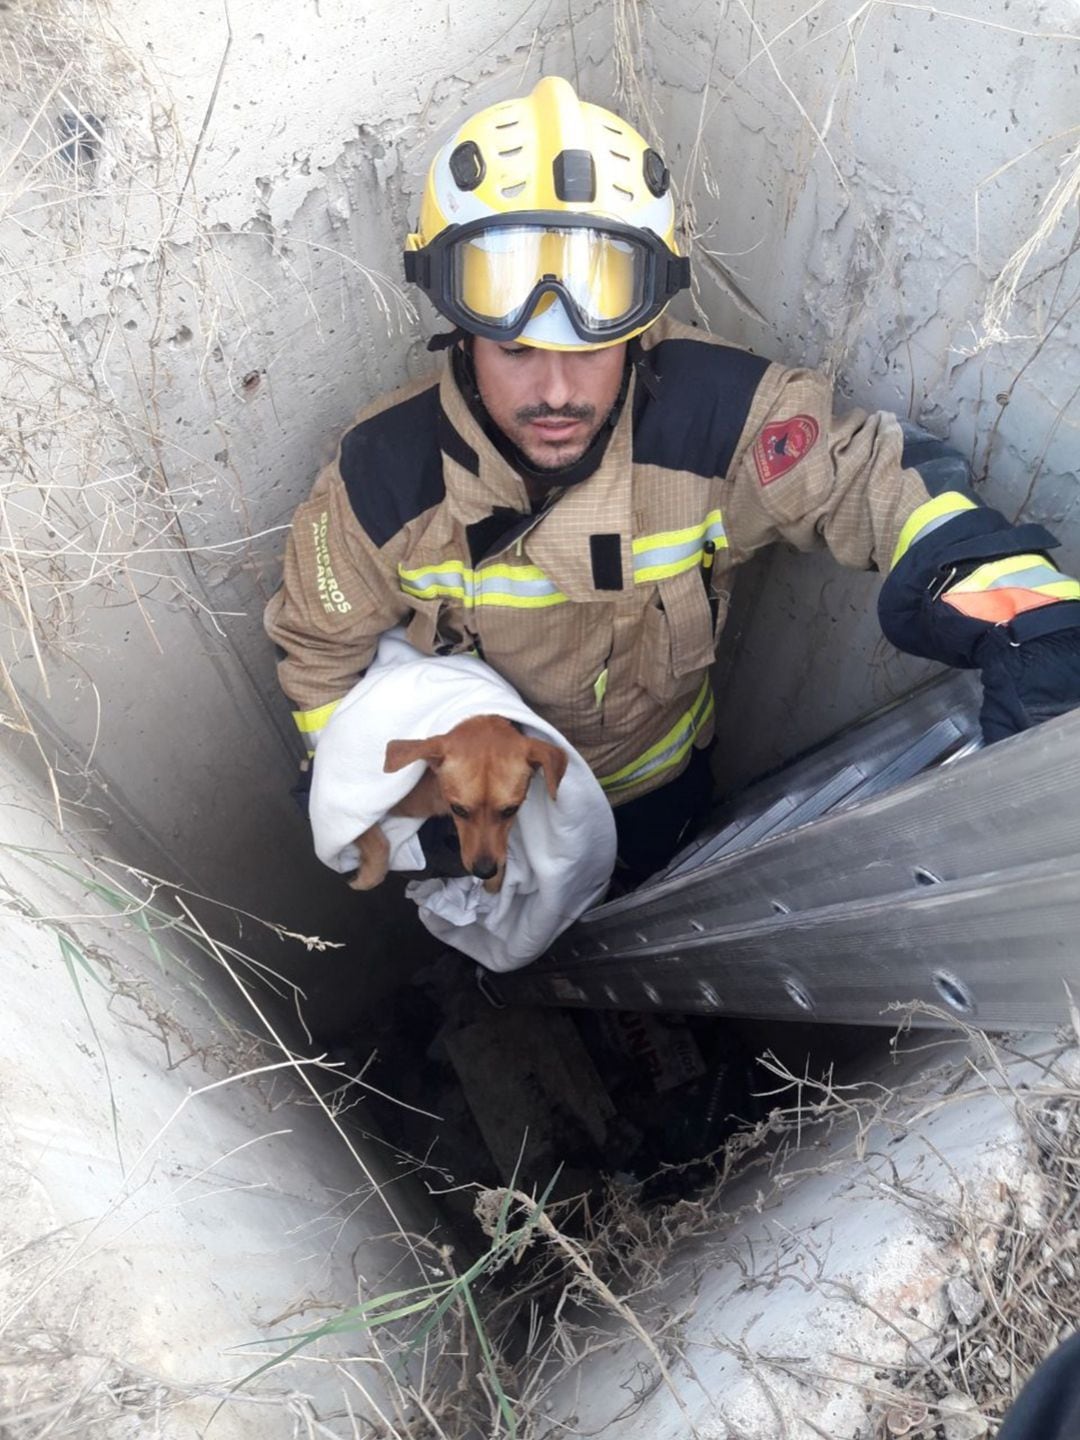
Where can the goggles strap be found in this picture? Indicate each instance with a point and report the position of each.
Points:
(445, 339)
(678, 274)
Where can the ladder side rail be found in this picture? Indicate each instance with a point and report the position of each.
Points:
(1018, 800)
(999, 952)
(872, 744)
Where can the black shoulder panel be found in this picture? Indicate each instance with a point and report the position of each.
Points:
(704, 394)
(392, 464)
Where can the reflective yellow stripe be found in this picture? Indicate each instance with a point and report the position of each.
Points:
(526, 587)
(927, 518)
(1027, 572)
(678, 537)
(1063, 589)
(669, 749)
(515, 587)
(310, 721)
(670, 552)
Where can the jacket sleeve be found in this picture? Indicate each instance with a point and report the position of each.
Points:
(970, 589)
(886, 495)
(338, 595)
(815, 479)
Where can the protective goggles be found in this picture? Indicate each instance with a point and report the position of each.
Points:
(491, 276)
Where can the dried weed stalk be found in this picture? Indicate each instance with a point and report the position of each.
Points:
(117, 279)
(603, 1273)
(1015, 1290)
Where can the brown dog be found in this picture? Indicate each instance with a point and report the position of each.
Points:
(478, 772)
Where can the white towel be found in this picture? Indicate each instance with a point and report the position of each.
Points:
(560, 855)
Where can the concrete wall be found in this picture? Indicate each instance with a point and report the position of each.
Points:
(859, 176)
(204, 289)
(197, 300)
(170, 1195)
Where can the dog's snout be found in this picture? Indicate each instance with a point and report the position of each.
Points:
(484, 867)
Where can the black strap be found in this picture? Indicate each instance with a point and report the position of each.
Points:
(1046, 620)
(445, 339)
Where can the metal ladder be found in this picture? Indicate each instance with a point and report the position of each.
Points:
(899, 862)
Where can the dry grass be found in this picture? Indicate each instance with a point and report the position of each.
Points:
(116, 279)
(813, 62)
(1016, 1293)
(62, 1372)
(588, 1276)
(1062, 202)
(1014, 1289)
(483, 1345)
(97, 505)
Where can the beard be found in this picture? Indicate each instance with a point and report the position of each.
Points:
(553, 456)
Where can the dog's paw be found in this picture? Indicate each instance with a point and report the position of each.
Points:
(373, 852)
(368, 877)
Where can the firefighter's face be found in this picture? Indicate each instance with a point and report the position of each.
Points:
(550, 403)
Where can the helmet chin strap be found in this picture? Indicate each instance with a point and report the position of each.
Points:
(574, 473)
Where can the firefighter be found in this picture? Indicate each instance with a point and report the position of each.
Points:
(570, 494)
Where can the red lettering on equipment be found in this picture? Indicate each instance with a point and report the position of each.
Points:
(782, 445)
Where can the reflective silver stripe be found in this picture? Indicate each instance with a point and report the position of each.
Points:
(514, 586)
(488, 587)
(671, 552)
(1030, 579)
(932, 525)
(427, 583)
(667, 751)
(926, 518)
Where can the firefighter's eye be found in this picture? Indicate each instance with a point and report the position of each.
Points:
(460, 811)
(509, 810)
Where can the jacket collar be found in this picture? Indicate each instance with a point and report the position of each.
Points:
(560, 537)
(494, 483)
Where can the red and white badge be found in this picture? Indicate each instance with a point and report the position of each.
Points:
(782, 445)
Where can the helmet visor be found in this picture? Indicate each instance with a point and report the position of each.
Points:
(501, 276)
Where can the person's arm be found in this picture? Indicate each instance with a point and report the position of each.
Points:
(963, 586)
(967, 587)
(337, 596)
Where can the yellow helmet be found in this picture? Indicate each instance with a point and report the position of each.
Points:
(548, 221)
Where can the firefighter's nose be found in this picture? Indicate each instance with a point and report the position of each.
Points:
(484, 867)
(556, 381)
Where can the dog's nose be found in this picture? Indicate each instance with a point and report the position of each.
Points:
(484, 867)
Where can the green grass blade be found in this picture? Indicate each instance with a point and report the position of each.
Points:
(506, 1410)
(75, 961)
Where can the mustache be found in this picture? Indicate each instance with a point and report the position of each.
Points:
(546, 412)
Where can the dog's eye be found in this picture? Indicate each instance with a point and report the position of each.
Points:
(460, 811)
(509, 810)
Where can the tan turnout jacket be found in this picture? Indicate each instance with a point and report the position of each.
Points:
(603, 610)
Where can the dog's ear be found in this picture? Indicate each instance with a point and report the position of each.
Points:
(549, 758)
(400, 753)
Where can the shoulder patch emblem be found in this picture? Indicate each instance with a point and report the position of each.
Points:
(782, 445)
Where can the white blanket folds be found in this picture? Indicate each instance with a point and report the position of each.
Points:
(560, 854)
